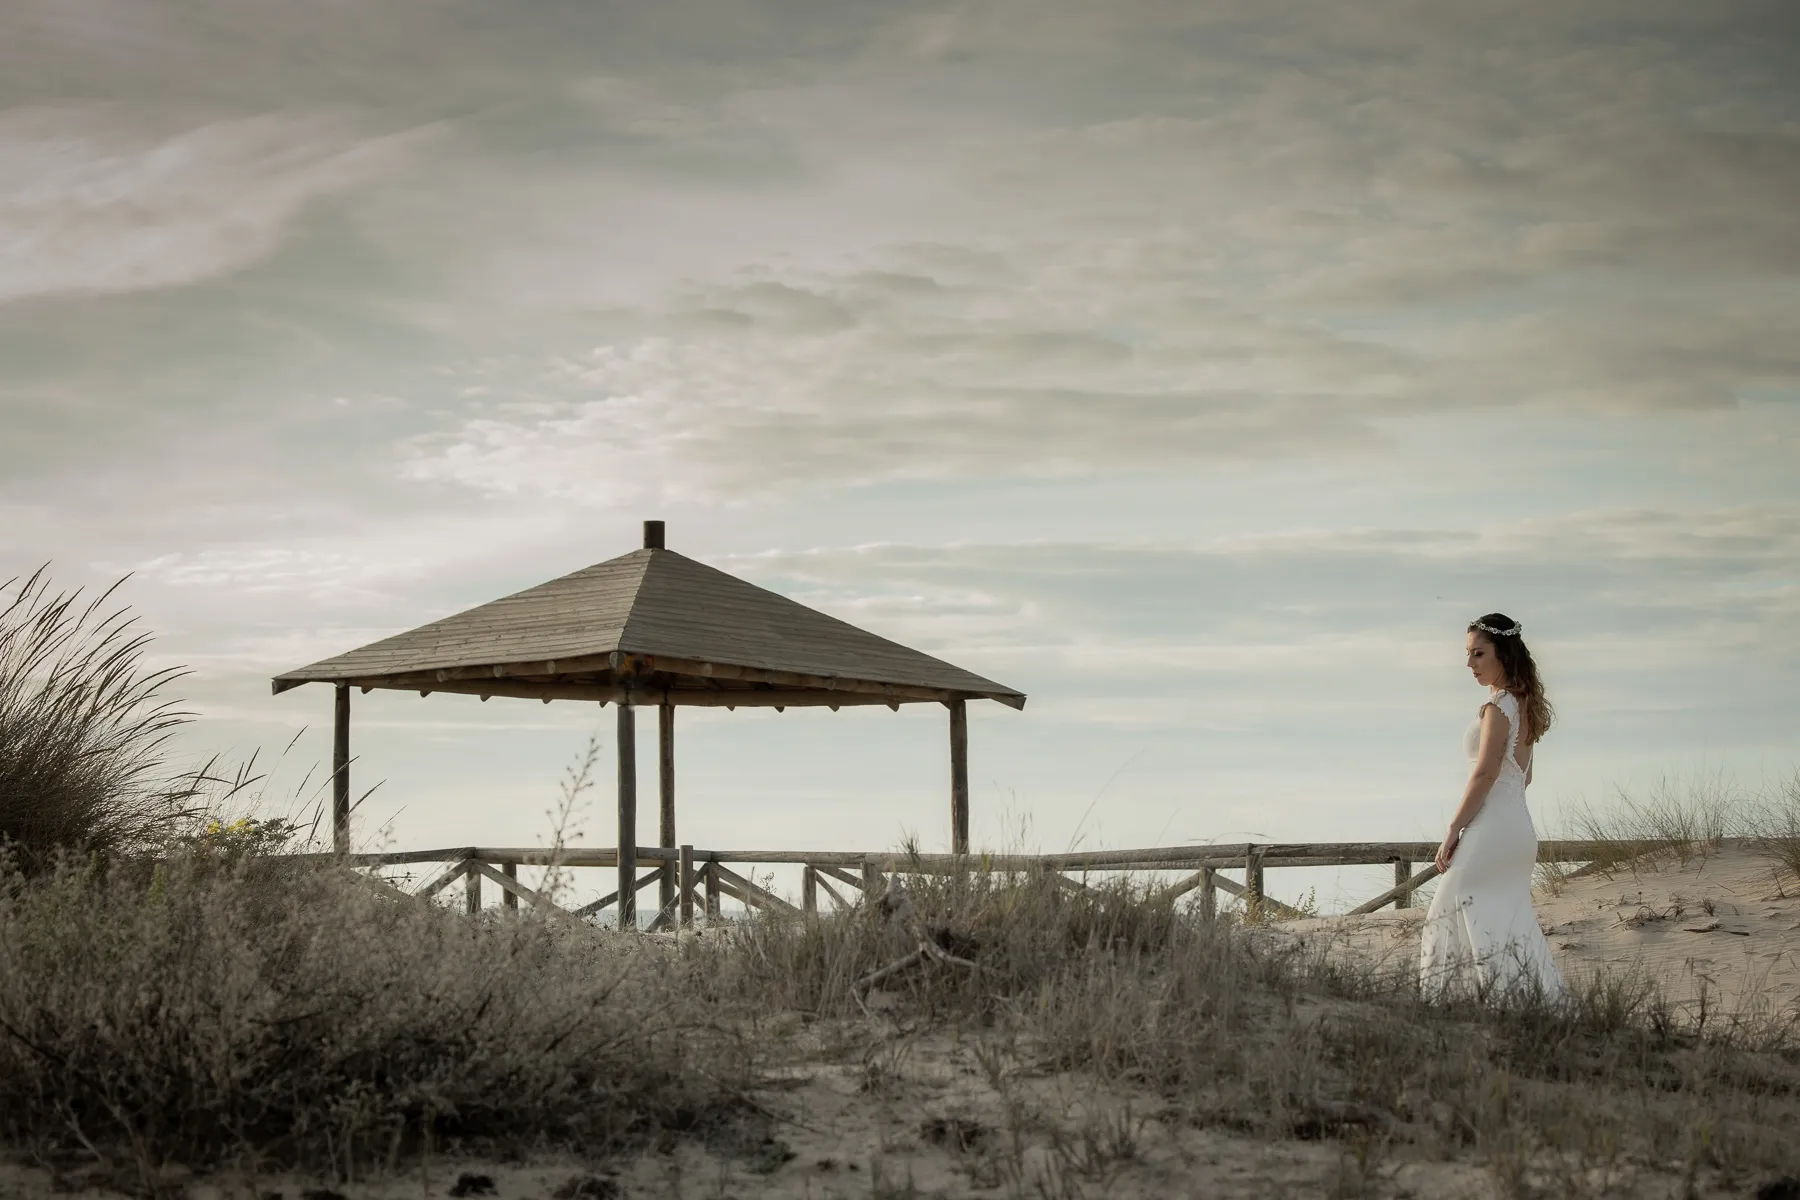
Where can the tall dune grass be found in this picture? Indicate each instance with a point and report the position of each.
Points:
(1682, 818)
(83, 728)
(1773, 824)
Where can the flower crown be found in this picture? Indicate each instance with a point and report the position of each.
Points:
(1515, 631)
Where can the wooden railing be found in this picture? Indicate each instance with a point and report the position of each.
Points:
(688, 877)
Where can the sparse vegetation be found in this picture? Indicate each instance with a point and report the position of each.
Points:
(1774, 823)
(1679, 818)
(205, 1010)
(1237, 1030)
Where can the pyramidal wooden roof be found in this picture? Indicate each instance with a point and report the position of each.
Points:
(653, 626)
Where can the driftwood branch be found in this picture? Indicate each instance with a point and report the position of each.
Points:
(903, 921)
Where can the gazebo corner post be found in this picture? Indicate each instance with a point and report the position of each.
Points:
(665, 768)
(627, 813)
(340, 771)
(959, 775)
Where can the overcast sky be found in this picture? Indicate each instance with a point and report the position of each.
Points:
(1198, 368)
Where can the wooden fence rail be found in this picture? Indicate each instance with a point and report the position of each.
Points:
(690, 870)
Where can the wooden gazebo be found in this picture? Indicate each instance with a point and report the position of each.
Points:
(652, 627)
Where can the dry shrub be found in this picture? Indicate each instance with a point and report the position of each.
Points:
(245, 1010)
(1270, 1035)
(1020, 929)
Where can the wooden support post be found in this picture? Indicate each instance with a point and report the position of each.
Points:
(472, 891)
(444, 880)
(871, 879)
(712, 890)
(824, 880)
(959, 775)
(507, 898)
(809, 891)
(665, 774)
(750, 893)
(340, 771)
(627, 814)
(1253, 884)
(1402, 872)
(1394, 893)
(687, 887)
(1209, 893)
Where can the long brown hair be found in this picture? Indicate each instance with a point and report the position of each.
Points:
(1521, 671)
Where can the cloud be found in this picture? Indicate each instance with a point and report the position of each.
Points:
(702, 251)
(759, 388)
(102, 199)
(1634, 591)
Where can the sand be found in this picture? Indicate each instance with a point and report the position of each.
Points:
(1720, 934)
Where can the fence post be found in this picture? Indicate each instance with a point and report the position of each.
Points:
(1253, 883)
(507, 898)
(809, 891)
(871, 879)
(712, 890)
(1209, 893)
(687, 887)
(472, 892)
(1402, 873)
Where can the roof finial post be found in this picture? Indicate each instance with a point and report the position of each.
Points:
(653, 535)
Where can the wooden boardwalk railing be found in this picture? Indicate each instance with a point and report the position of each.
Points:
(702, 877)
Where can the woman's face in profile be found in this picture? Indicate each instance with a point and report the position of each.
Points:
(1483, 663)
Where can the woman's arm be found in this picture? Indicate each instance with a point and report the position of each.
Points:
(1494, 727)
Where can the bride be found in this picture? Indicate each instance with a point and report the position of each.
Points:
(1481, 937)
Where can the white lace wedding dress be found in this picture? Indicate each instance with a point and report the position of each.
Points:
(1481, 937)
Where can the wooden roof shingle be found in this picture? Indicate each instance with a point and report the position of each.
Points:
(652, 616)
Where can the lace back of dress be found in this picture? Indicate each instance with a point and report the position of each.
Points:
(1508, 704)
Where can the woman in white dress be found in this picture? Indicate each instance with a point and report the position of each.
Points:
(1481, 938)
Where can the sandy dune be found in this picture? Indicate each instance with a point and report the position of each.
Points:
(1721, 931)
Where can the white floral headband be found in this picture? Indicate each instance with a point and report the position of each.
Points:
(1515, 631)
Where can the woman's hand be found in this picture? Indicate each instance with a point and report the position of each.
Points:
(1445, 851)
